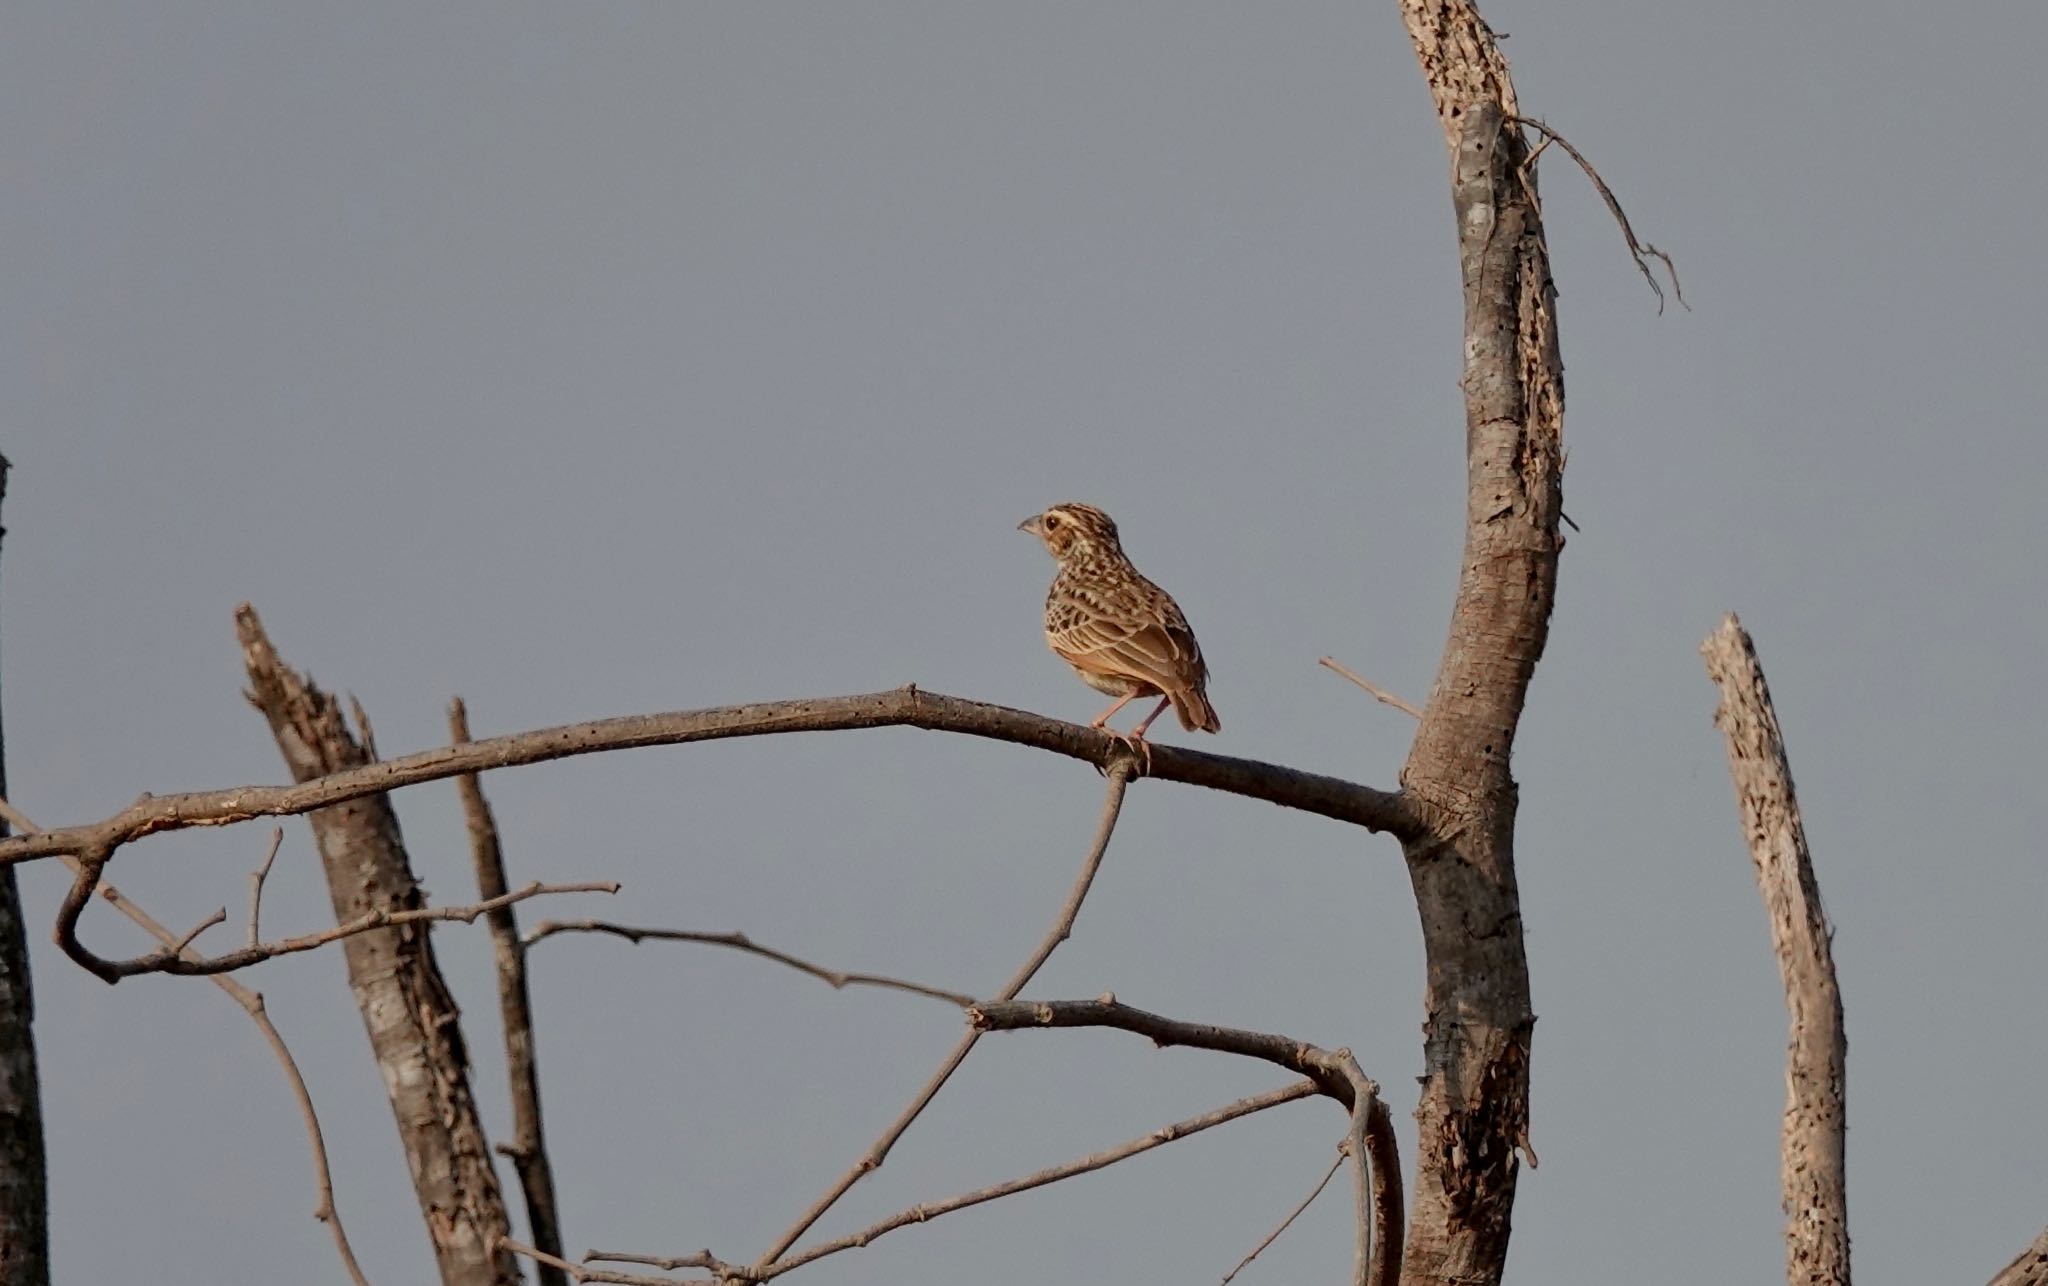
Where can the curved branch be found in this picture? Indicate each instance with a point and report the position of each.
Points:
(1332, 797)
(1375, 1150)
(174, 958)
(839, 979)
(1320, 1065)
(252, 1004)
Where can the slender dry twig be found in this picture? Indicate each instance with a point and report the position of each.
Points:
(1812, 1142)
(578, 1273)
(168, 960)
(1119, 772)
(1379, 694)
(252, 1004)
(218, 917)
(1292, 1215)
(1038, 1179)
(1639, 251)
(528, 1149)
(256, 878)
(670, 1263)
(839, 979)
(1332, 797)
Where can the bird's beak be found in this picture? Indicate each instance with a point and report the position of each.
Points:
(1031, 525)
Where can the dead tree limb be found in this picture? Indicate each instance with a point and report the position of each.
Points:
(1376, 1152)
(24, 1177)
(1473, 1117)
(839, 979)
(1812, 1142)
(2030, 1268)
(412, 1020)
(528, 1149)
(1333, 797)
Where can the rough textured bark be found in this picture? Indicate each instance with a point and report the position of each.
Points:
(24, 1190)
(1474, 1110)
(1811, 1144)
(2030, 1269)
(411, 1018)
(528, 1150)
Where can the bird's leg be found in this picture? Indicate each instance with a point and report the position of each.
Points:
(1134, 744)
(1102, 720)
(1138, 733)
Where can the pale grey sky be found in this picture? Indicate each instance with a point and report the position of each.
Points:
(589, 359)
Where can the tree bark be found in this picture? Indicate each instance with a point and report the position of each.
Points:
(2030, 1268)
(529, 1149)
(1474, 1110)
(1812, 1143)
(24, 1182)
(412, 1020)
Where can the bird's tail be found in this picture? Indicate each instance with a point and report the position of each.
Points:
(1196, 714)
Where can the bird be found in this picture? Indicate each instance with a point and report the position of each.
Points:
(1121, 633)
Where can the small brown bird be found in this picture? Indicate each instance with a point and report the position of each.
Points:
(1122, 634)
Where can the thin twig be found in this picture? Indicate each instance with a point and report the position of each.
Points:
(838, 978)
(170, 961)
(1379, 694)
(578, 1273)
(703, 1259)
(1052, 1174)
(1293, 1215)
(902, 707)
(1119, 772)
(256, 878)
(528, 1148)
(1639, 251)
(252, 1004)
(218, 917)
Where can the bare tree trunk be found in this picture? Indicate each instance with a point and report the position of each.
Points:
(412, 1019)
(1474, 1110)
(24, 1184)
(1811, 1145)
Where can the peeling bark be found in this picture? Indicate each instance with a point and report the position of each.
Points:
(412, 1020)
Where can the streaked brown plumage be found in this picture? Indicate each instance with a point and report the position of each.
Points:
(1122, 634)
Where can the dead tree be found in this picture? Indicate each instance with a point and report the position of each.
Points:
(1812, 1147)
(24, 1186)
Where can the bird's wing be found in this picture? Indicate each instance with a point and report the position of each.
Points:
(1133, 640)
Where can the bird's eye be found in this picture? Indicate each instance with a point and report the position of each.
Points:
(1052, 522)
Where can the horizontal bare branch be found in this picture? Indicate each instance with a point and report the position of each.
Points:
(838, 978)
(177, 959)
(1325, 1067)
(1332, 797)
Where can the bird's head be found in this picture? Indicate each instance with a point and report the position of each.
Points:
(1073, 532)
